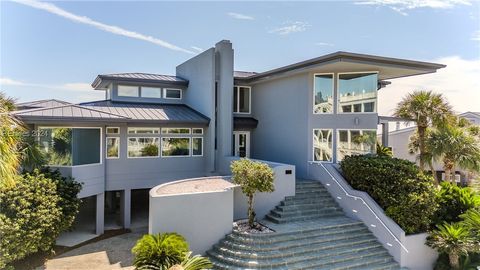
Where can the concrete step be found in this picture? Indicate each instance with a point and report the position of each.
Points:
(305, 212)
(318, 259)
(328, 247)
(281, 220)
(307, 205)
(294, 243)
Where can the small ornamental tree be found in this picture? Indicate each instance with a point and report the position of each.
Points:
(252, 177)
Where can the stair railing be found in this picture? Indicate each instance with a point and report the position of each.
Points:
(364, 203)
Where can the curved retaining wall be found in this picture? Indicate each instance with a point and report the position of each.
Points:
(408, 250)
(202, 218)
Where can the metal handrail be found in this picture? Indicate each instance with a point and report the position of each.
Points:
(364, 202)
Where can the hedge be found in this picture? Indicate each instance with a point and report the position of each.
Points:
(406, 194)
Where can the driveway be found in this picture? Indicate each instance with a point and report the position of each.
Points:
(107, 254)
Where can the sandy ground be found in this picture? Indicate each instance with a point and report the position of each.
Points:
(107, 254)
(195, 186)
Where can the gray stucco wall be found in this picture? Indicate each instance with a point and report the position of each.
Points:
(200, 95)
(280, 106)
(284, 110)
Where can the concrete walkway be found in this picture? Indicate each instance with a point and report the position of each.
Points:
(107, 254)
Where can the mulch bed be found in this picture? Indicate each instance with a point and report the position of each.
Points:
(242, 226)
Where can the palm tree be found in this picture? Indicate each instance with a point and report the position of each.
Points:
(426, 109)
(427, 157)
(454, 147)
(10, 139)
(452, 239)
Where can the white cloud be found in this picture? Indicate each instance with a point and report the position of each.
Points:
(51, 8)
(198, 49)
(291, 27)
(402, 6)
(76, 87)
(239, 16)
(324, 44)
(8, 81)
(458, 82)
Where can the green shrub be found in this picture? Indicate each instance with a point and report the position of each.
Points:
(67, 189)
(160, 251)
(252, 177)
(397, 185)
(454, 201)
(29, 217)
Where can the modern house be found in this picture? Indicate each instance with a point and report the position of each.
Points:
(153, 129)
(398, 140)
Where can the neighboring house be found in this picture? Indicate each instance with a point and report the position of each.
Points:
(153, 129)
(398, 140)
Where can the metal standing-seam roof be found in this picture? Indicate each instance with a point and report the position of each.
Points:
(44, 103)
(108, 111)
(99, 81)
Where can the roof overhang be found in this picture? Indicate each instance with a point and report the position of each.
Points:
(388, 68)
(101, 82)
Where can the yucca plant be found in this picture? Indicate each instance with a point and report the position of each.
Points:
(452, 239)
(471, 220)
(384, 151)
(160, 251)
(196, 262)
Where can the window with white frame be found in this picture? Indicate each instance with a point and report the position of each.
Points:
(143, 147)
(171, 93)
(113, 147)
(241, 99)
(322, 144)
(128, 91)
(197, 146)
(323, 93)
(113, 130)
(150, 92)
(175, 146)
(70, 146)
(355, 142)
(357, 92)
(143, 130)
(175, 130)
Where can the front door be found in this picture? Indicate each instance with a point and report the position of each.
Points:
(241, 143)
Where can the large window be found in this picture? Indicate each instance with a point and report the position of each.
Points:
(357, 92)
(142, 147)
(151, 92)
(128, 91)
(175, 147)
(70, 146)
(355, 142)
(323, 93)
(241, 99)
(322, 144)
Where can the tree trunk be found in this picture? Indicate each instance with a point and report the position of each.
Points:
(454, 260)
(447, 166)
(251, 212)
(421, 145)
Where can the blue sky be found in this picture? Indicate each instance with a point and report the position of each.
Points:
(52, 50)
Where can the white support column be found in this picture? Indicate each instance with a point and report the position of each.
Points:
(100, 214)
(125, 207)
(385, 134)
